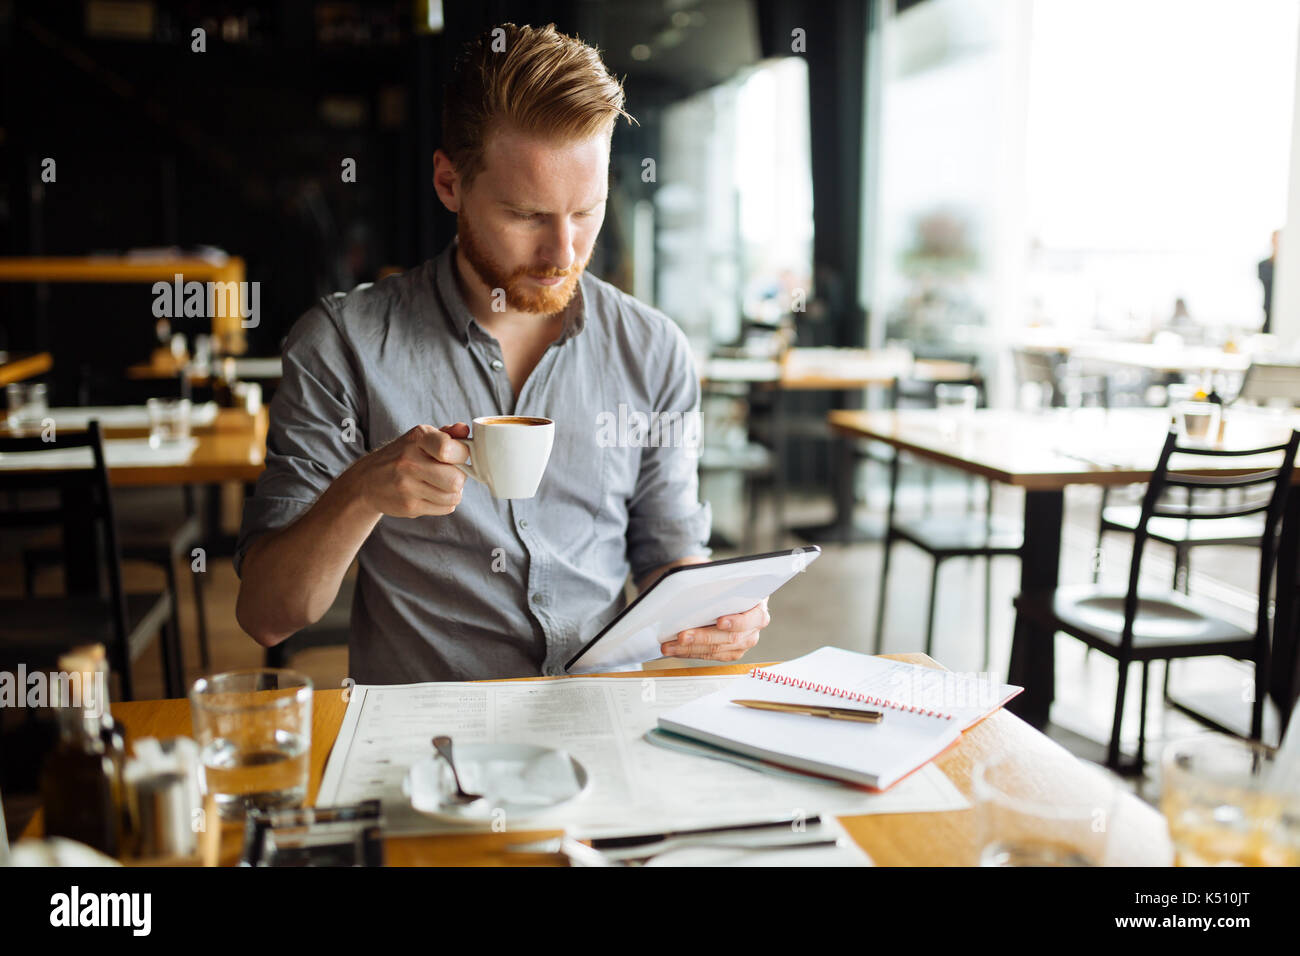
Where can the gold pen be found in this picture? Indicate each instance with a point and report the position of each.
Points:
(813, 710)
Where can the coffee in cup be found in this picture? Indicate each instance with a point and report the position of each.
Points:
(508, 453)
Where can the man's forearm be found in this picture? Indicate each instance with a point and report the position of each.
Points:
(290, 577)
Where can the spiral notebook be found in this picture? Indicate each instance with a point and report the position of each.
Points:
(925, 711)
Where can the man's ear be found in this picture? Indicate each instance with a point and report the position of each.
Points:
(446, 181)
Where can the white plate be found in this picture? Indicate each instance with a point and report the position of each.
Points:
(428, 782)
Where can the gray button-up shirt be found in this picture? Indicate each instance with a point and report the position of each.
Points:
(499, 588)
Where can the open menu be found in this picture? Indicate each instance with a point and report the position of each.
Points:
(601, 721)
(924, 709)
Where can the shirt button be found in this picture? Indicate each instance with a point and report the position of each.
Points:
(523, 522)
(498, 365)
(539, 598)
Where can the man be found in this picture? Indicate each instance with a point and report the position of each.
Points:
(1266, 279)
(454, 584)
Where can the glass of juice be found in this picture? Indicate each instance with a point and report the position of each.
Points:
(1226, 805)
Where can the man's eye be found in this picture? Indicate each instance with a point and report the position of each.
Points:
(528, 216)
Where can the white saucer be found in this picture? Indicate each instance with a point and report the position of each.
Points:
(428, 783)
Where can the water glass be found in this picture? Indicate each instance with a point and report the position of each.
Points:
(1224, 805)
(1033, 397)
(27, 403)
(1198, 422)
(253, 728)
(956, 404)
(1027, 818)
(169, 420)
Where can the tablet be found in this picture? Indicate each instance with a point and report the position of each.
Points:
(694, 595)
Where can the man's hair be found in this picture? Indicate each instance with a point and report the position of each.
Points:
(538, 81)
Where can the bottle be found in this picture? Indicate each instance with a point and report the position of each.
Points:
(81, 783)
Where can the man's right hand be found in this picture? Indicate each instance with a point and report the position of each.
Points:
(413, 475)
(292, 576)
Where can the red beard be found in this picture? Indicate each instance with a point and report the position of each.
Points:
(522, 295)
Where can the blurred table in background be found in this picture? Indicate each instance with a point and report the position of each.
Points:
(244, 368)
(17, 366)
(1044, 453)
(846, 372)
(231, 448)
(1174, 360)
(228, 329)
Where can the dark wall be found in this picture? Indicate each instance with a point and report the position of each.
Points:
(240, 147)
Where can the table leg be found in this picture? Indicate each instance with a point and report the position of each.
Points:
(1033, 659)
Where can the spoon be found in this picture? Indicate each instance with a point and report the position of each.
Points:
(463, 797)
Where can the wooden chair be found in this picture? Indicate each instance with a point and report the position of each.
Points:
(1167, 625)
(36, 630)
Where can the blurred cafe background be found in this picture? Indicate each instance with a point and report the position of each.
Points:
(1060, 212)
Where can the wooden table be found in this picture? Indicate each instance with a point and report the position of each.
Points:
(18, 366)
(1139, 836)
(233, 448)
(1033, 452)
(244, 368)
(227, 328)
(1180, 360)
(1151, 356)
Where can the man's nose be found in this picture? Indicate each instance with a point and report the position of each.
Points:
(558, 249)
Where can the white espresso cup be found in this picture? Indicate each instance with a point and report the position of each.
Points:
(508, 453)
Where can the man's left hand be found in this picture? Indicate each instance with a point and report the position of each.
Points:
(727, 640)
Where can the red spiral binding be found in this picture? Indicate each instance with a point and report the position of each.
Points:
(847, 694)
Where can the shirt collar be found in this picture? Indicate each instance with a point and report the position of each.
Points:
(575, 318)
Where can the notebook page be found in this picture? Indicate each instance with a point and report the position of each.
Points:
(966, 698)
(876, 754)
(933, 707)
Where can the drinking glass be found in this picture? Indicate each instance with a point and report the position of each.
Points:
(1198, 422)
(956, 404)
(1028, 818)
(1033, 397)
(1224, 805)
(26, 402)
(253, 728)
(169, 420)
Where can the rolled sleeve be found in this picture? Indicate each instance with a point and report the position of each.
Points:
(666, 519)
(315, 431)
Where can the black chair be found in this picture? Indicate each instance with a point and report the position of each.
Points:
(1181, 534)
(150, 533)
(1168, 625)
(36, 630)
(969, 535)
